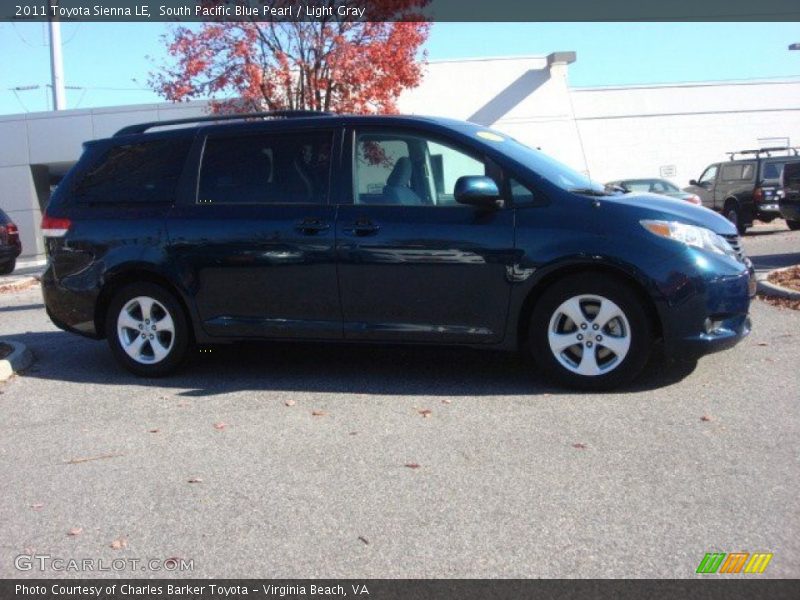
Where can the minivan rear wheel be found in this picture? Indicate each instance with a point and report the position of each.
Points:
(590, 332)
(147, 329)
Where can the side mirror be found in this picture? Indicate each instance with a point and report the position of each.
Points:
(693, 182)
(477, 191)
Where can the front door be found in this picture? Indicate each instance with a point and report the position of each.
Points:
(255, 245)
(705, 187)
(414, 265)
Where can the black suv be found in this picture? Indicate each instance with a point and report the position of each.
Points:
(745, 189)
(379, 229)
(790, 198)
(10, 246)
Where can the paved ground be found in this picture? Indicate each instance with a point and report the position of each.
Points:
(501, 489)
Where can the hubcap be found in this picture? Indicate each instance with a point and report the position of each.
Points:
(146, 330)
(589, 335)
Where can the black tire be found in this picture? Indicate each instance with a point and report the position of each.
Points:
(614, 372)
(793, 225)
(7, 268)
(733, 214)
(178, 342)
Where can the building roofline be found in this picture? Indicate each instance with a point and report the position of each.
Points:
(689, 84)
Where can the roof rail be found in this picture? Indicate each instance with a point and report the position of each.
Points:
(790, 150)
(275, 114)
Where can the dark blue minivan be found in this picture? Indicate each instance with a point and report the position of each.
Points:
(389, 229)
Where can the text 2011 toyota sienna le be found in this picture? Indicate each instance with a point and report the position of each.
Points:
(379, 229)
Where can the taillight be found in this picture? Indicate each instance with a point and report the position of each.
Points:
(12, 231)
(53, 227)
(758, 194)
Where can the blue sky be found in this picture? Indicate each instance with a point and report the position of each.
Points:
(109, 60)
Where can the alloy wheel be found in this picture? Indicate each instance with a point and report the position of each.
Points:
(589, 335)
(146, 330)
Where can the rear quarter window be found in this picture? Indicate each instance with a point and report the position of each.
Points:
(738, 172)
(144, 172)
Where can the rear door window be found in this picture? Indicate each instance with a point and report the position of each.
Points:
(273, 168)
(144, 172)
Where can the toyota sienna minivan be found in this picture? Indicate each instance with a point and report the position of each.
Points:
(390, 229)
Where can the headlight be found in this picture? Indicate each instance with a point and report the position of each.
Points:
(691, 235)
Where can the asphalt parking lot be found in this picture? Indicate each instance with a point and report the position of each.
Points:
(322, 461)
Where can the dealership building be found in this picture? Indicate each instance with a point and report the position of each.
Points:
(671, 130)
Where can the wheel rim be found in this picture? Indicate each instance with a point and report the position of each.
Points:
(146, 330)
(589, 335)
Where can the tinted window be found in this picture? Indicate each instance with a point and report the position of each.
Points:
(144, 172)
(737, 172)
(409, 170)
(280, 168)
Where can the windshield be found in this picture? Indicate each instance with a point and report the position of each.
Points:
(550, 169)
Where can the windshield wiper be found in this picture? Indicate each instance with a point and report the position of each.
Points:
(589, 192)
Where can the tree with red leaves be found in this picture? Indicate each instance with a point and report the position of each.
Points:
(326, 64)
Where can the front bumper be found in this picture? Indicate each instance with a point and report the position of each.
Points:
(710, 315)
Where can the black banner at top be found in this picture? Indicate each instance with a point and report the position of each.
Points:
(399, 10)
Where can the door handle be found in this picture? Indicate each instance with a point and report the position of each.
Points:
(363, 227)
(312, 226)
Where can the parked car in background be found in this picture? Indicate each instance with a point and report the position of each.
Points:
(654, 186)
(745, 189)
(789, 201)
(391, 229)
(10, 246)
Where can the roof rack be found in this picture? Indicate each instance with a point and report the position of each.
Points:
(790, 150)
(276, 114)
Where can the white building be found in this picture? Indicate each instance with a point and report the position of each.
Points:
(671, 130)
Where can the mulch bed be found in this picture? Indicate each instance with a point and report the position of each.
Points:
(788, 278)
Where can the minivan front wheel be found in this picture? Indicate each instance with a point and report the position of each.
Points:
(147, 329)
(590, 332)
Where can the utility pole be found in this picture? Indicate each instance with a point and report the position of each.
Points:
(56, 61)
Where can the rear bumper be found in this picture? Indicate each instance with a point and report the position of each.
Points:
(69, 309)
(9, 252)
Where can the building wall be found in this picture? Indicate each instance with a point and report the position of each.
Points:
(612, 133)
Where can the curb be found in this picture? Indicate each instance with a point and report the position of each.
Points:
(772, 289)
(19, 359)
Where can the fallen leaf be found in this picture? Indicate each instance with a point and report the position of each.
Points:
(412, 465)
(289, 403)
(119, 544)
(219, 426)
(762, 344)
(447, 401)
(363, 539)
(425, 412)
(154, 431)
(353, 433)
(75, 531)
(37, 506)
(705, 418)
(580, 446)
(318, 413)
(195, 480)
